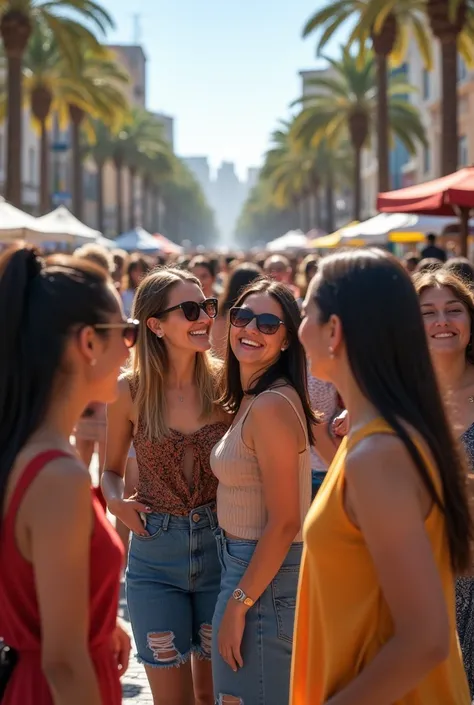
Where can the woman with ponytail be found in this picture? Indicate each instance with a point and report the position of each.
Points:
(63, 342)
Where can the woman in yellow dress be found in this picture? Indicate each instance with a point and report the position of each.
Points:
(390, 527)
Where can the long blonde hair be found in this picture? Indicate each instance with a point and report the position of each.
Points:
(150, 362)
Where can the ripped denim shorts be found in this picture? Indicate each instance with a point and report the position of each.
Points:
(172, 583)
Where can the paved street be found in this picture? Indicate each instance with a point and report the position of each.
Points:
(135, 685)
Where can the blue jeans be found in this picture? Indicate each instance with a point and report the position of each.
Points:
(172, 584)
(268, 636)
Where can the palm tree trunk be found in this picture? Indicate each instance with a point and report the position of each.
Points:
(449, 125)
(77, 116)
(119, 197)
(15, 31)
(44, 169)
(131, 188)
(382, 124)
(357, 182)
(13, 190)
(100, 196)
(329, 192)
(317, 223)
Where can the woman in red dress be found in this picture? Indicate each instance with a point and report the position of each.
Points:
(63, 342)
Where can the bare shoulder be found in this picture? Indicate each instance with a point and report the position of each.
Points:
(63, 483)
(274, 405)
(381, 458)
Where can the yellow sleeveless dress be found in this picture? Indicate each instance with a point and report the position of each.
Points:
(342, 619)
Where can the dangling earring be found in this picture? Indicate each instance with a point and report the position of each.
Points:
(93, 363)
(159, 334)
(331, 352)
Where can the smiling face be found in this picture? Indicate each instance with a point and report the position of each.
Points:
(251, 347)
(174, 328)
(447, 321)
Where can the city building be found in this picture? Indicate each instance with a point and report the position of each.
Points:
(133, 59)
(199, 167)
(168, 127)
(425, 165)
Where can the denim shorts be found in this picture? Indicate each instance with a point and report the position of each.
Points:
(172, 584)
(268, 636)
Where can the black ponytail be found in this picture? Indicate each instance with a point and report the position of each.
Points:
(40, 304)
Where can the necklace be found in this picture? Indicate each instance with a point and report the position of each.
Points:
(180, 399)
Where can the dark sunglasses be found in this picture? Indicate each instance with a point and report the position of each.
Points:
(129, 328)
(192, 309)
(267, 323)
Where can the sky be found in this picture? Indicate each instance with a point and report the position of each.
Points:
(226, 70)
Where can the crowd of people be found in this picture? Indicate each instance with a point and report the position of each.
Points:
(286, 446)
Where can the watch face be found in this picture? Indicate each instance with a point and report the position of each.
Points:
(238, 594)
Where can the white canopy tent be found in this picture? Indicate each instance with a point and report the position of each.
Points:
(293, 240)
(138, 240)
(63, 226)
(376, 229)
(384, 227)
(17, 225)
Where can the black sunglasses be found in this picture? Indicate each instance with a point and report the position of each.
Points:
(129, 328)
(267, 323)
(192, 309)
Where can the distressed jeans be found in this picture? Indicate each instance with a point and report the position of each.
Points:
(172, 584)
(268, 636)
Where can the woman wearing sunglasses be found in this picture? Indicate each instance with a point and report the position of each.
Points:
(264, 472)
(64, 343)
(168, 406)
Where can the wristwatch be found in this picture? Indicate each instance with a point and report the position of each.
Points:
(240, 596)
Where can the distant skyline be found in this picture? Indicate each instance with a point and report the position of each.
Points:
(226, 71)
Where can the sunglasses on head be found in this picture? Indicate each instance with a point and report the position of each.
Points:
(192, 309)
(129, 330)
(267, 323)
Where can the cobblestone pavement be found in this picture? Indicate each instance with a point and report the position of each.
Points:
(135, 686)
(136, 690)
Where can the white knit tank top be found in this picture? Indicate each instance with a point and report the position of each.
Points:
(241, 509)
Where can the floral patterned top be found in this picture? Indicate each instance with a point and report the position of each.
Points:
(162, 485)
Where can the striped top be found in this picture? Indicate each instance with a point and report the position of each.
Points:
(241, 509)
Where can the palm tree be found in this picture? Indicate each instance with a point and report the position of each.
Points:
(452, 23)
(17, 21)
(344, 107)
(187, 214)
(99, 146)
(289, 172)
(389, 25)
(100, 81)
(146, 152)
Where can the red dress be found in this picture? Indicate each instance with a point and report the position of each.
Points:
(19, 617)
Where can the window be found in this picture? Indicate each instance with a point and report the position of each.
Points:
(426, 160)
(426, 84)
(463, 155)
(462, 69)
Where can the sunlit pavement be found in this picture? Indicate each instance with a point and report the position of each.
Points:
(136, 690)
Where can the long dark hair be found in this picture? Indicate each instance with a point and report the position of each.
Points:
(40, 305)
(388, 353)
(290, 368)
(459, 287)
(238, 279)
